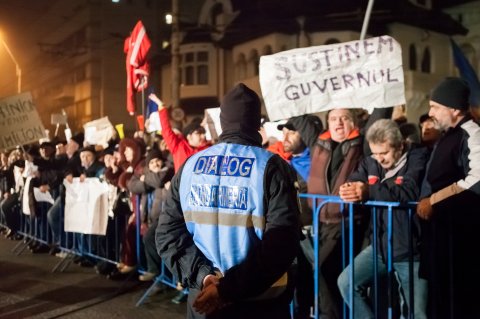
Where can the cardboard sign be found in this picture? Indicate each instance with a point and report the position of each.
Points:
(58, 118)
(86, 206)
(364, 74)
(99, 132)
(19, 121)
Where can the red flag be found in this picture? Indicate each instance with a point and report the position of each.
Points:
(141, 122)
(136, 47)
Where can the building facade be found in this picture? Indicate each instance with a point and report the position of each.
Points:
(230, 36)
(75, 62)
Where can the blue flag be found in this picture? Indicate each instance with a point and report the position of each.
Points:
(467, 73)
(151, 106)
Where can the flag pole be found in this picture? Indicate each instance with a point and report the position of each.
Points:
(143, 97)
(366, 20)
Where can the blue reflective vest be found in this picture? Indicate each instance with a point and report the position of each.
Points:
(221, 194)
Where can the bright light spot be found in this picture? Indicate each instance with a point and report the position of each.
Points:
(168, 18)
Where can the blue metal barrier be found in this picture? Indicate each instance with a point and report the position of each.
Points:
(318, 201)
(165, 277)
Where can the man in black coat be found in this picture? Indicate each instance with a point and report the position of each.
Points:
(450, 205)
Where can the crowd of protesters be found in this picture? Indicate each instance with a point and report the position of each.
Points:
(434, 162)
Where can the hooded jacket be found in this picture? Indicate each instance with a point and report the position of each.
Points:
(273, 255)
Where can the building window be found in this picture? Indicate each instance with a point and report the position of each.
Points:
(189, 76)
(241, 67)
(426, 61)
(253, 64)
(195, 68)
(202, 68)
(412, 58)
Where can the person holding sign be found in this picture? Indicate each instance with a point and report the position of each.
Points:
(230, 229)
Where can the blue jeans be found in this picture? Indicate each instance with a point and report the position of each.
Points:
(55, 220)
(364, 277)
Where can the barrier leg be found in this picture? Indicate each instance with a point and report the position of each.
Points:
(157, 285)
(64, 262)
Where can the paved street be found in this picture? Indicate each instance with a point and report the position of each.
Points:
(29, 289)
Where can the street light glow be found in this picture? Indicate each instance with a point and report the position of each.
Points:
(168, 18)
(18, 71)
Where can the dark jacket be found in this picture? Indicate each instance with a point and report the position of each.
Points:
(455, 160)
(401, 185)
(7, 180)
(51, 172)
(73, 164)
(453, 184)
(154, 183)
(265, 263)
(157, 181)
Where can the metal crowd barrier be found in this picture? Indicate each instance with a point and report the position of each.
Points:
(38, 229)
(318, 201)
(97, 247)
(165, 277)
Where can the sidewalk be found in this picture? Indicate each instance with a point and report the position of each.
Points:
(29, 289)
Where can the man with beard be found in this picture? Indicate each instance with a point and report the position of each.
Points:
(299, 137)
(450, 200)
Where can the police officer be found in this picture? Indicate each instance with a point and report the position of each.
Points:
(230, 228)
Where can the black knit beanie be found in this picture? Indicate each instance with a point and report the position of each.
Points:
(78, 138)
(153, 153)
(452, 92)
(240, 110)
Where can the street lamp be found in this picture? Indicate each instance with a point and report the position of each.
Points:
(18, 71)
(173, 19)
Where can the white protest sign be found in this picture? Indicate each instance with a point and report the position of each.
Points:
(214, 129)
(25, 195)
(358, 74)
(19, 121)
(42, 197)
(271, 129)
(99, 132)
(86, 206)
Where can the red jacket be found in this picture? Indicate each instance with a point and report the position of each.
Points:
(177, 144)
